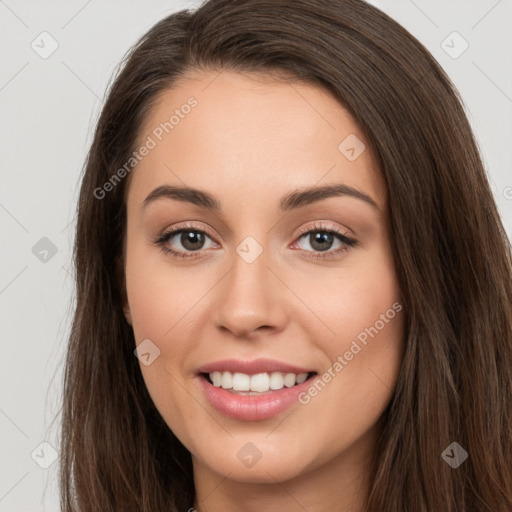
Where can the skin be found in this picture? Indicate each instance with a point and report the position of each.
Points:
(285, 305)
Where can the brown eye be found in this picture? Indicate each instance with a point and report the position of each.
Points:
(192, 240)
(321, 240)
(183, 241)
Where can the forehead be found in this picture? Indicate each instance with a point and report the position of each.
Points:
(253, 134)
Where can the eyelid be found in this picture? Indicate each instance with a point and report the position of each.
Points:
(320, 226)
(189, 225)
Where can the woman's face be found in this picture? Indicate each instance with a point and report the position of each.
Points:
(272, 284)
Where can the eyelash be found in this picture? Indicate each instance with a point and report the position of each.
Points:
(161, 240)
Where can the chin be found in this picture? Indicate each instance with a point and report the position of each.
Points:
(250, 464)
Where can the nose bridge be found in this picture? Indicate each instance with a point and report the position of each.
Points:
(251, 296)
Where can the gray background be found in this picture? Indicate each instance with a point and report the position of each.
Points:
(49, 108)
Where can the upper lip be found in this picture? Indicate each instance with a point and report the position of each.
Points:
(251, 367)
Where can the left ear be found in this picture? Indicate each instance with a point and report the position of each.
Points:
(121, 281)
(127, 313)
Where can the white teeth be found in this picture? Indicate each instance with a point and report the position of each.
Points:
(241, 382)
(301, 378)
(216, 379)
(289, 380)
(276, 380)
(227, 380)
(261, 382)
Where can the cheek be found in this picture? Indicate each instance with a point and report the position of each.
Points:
(161, 295)
(360, 308)
(161, 303)
(348, 300)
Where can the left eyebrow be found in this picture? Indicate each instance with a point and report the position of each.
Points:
(293, 200)
(306, 196)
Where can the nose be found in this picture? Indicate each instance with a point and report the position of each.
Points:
(251, 299)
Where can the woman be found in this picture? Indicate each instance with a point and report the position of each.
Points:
(293, 286)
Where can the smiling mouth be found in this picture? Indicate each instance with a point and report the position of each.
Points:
(257, 384)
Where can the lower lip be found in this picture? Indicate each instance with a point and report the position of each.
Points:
(252, 407)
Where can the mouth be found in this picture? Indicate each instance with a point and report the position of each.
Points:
(254, 396)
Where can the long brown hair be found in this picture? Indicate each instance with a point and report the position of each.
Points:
(451, 253)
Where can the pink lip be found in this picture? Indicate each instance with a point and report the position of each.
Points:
(251, 367)
(256, 407)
